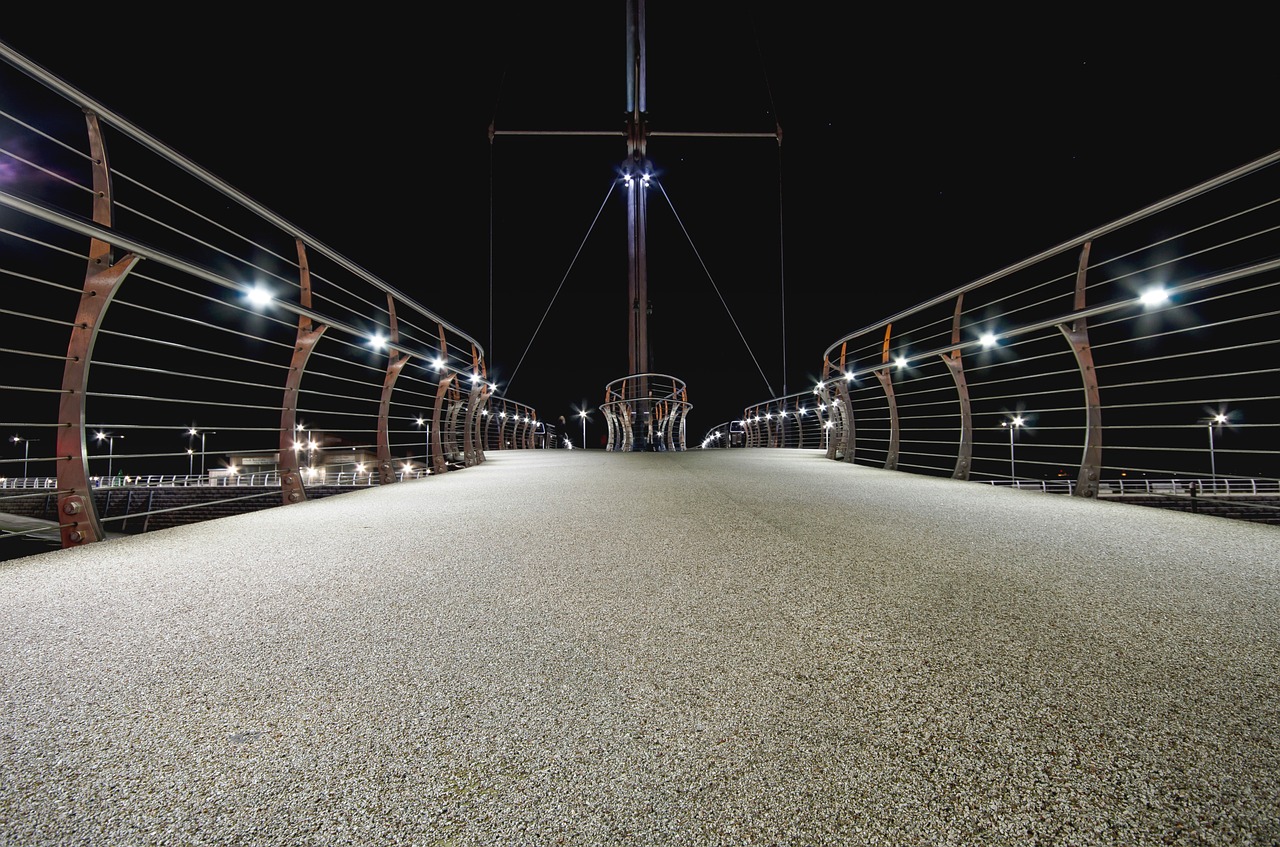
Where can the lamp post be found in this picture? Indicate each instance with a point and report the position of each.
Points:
(26, 450)
(583, 415)
(203, 435)
(1013, 424)
(111, 449)
(1217, 420)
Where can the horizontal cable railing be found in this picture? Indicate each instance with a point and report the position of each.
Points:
(160, 324)
(1145, 349)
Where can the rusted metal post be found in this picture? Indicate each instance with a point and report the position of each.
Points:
(395, 364)
(1077, 336)
(77, 514)
(964, 450)
(886, 382)
(291, 486)
(438, 463)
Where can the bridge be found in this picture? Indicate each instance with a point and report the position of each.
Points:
(764, 646)
(904, 606)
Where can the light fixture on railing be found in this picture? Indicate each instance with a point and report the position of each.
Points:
(988, 340)
(377, 341)
(259, 296)
(900, 362)
(1154, 296)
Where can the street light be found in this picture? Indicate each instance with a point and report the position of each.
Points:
(1017, 421)
(583, 415)
(1217, 420)
(111, 449)
(203, 436)
(426, 455)
(26, 450)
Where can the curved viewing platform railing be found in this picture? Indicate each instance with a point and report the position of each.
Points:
(1146, 348)
(646, 412)
(157, 321)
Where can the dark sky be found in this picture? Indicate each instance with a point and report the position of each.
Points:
(920, 152)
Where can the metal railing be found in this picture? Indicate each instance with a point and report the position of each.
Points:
(159, 321)
(1147, 348)
(646, 412)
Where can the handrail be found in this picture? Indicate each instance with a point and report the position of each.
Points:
(159, 321)
(1145, 348)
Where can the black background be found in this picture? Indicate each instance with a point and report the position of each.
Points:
(920, 151)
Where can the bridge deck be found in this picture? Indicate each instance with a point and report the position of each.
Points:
(719, 647)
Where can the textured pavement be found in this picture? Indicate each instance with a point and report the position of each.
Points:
(732, 647)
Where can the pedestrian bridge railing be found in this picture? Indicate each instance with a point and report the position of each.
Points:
(646, 411)
(159, 321)
(1148, 348)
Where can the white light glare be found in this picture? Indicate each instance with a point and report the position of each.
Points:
(258, 296)
(988, 339)
(377, 342)
(1154, 296)
(901, 362)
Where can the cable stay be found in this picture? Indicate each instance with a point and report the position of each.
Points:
(563, 279)
(714, 287)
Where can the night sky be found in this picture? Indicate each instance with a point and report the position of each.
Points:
(919, 152)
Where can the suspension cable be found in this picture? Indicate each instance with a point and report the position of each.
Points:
(563, 279)
(715, 287)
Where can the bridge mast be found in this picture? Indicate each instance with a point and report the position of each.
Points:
(635, 172)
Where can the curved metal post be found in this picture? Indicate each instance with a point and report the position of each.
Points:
(291, 487)
(471, 443)
(395, 364)
(611, 427)
(886, 382)
(77, 514)
(385, 470)
(1077, 336)
(844, 408)
(626, 439)
(455, 452)
(438, 463)
(964, 451)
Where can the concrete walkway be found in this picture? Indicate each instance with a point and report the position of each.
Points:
(733, 647)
